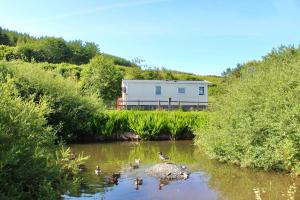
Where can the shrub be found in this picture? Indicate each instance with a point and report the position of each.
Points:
(102, 78)
(257, 121)
(75, 115)
(27, 168)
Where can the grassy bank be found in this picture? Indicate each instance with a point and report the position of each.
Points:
(152, 124)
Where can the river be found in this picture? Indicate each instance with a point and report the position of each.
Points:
(209, 179)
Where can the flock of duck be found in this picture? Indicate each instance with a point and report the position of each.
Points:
(113, 179)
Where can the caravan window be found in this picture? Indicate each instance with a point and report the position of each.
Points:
(201, 90)
(158, 90)
(181, 90)
(124, 90)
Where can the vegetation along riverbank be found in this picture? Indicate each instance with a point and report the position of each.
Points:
(154, 124)
(256, 122)
(55, 92)
(48, 97)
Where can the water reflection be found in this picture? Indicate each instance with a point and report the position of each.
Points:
(209, 179)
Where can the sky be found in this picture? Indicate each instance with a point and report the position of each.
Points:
(199, 36)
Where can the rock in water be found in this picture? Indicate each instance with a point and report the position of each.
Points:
(167, 171)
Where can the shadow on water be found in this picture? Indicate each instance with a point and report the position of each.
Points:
(209, 179)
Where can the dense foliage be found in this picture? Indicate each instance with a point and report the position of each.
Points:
(151, 124)
(73, 113)
(257, 120)
(14, 45)
(29, 166)
(102, 78)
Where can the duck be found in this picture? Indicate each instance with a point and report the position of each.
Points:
(72, 156)
(81, 167)
(112, 180)
(97, 170)
(138, 181)
(135, 166)
(183, 167)
(116, 175)
(137, 161)
(185, 175)
(163, 157)
(162, 183)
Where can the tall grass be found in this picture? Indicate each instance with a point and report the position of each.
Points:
(151, 124)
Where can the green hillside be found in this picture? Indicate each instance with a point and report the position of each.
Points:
(73, 58)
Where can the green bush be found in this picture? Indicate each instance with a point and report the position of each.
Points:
(75, 115)
(257, 121)
(102, 78)
(32, 165)
(27, 168)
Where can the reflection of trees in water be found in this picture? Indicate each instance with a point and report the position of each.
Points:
(232, 182)
(229, 181)
(116, 156)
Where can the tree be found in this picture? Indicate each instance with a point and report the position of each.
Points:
(167, 74)
(26, 52)
(4, 40)
(82, 52)
(152, 74)
(55, 50)
(134, 73)
(101, 77)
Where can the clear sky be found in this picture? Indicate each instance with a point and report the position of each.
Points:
(199, 36)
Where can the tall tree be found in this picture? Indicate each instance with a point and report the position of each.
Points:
(4, 39)
(82, 52)
(55, 50)
(101, 77)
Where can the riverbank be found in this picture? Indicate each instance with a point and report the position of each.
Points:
(148, 125)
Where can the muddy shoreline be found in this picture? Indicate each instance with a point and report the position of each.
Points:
(129, 136)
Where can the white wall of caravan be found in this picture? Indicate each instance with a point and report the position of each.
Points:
(145, 91)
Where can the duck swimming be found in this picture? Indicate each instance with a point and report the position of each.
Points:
(183, 167)
(97, 170)
(137, 161)
(163, 157)
(138, 181)
(112, 180)
(135, 166)
(116, 175)
(162, 183)
(81, 167)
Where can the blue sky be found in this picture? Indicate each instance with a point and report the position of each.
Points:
(199, 36)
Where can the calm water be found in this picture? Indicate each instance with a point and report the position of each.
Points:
(209, 179)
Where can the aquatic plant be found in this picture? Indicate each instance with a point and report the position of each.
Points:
(151, 124)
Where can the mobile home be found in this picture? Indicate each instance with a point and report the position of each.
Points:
(166, 94)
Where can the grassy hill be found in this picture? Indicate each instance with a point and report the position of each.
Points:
(70, 58)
